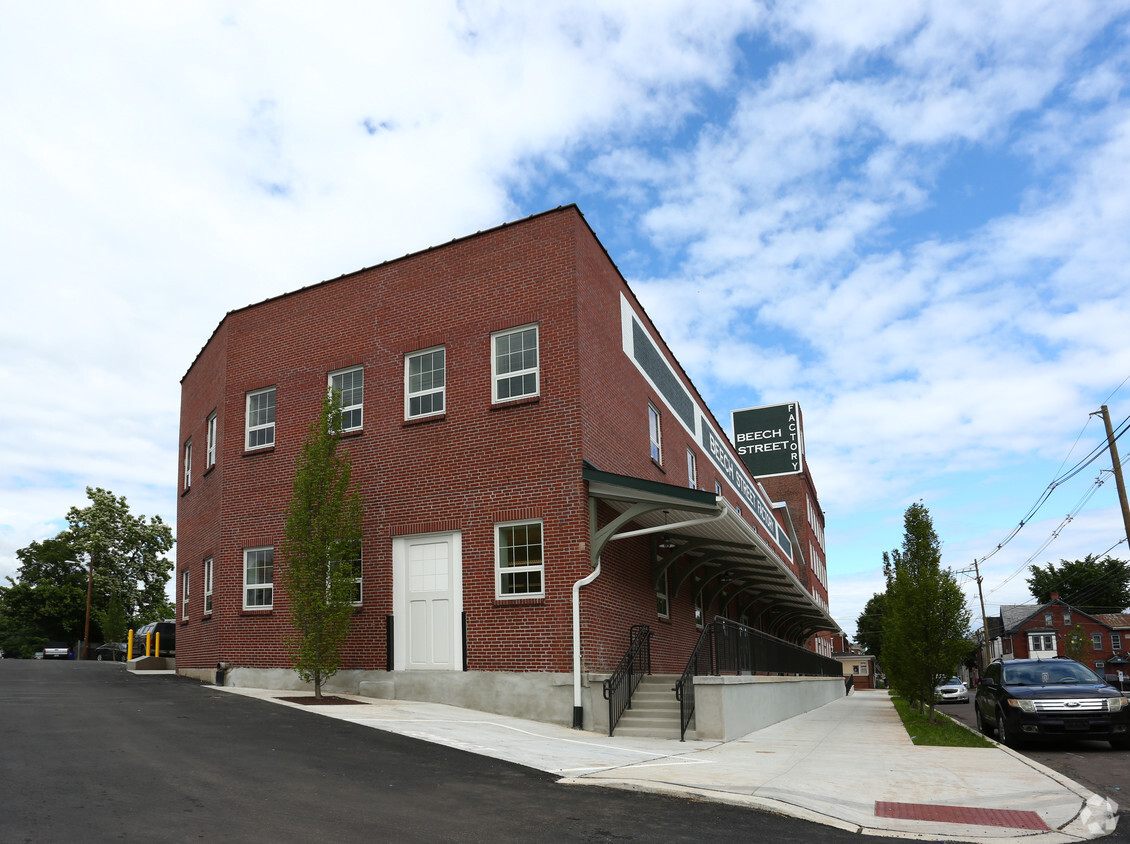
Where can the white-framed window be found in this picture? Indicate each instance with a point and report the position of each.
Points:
(184, 594)
(258, 578)
(1097, 641)
(354, 566)
(692, 470)
(187, 464)
(210, 442)
(1067, 619)
(1047, 619)
(662, 604)
(1043, 642)
(519, 560)
(207, 586)
(1116, 641)
(349, 384)
(655, 433)
(261, 418)
(699, 614)
(425, 383)
(514, 363)
(717, 488)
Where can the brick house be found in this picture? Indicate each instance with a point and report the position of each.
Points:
(1028, 632)
(539, 475)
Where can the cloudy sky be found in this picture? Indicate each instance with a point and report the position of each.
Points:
(910, 217)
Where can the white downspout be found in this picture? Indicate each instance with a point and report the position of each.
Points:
(578, 708)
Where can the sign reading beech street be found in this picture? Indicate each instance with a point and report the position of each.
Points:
(769, 439)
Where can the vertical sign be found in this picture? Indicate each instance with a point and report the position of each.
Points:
(769, 439)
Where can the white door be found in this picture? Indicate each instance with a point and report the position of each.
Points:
(428, 602)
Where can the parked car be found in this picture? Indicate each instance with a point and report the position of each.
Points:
(168, 631)
(1058, 698)
(113, 651)
(56, 650)
(951, 691)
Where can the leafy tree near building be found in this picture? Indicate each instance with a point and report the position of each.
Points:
(1091, 585)
(869, 626)
(47, 600)
(322, 550)
(128, 553)
(1077, 645)
(926, 622)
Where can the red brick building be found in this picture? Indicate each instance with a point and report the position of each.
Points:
(538, 475)
(1044, 631)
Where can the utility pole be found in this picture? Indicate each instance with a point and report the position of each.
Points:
(1117, 464)
(984, 618)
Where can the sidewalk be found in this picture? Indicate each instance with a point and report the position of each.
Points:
(849, 764)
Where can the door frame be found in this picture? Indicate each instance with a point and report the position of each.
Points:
(400, 597)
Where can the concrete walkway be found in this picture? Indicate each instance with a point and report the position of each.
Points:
(849, 764)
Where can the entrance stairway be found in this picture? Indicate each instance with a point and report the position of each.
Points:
(655, 711)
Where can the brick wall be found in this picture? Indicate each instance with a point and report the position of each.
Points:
(474, 466)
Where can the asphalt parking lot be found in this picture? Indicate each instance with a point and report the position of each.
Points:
(92, 753)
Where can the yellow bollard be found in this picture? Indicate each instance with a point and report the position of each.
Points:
(129, 646)
(148, 641)
(157, 644)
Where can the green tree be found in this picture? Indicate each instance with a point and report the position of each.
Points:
(322, 549)
(869, 626)
(127, 552)
(926, 622)
(112, 621)
(1091, 585)
(47, 601)
(1077, 645)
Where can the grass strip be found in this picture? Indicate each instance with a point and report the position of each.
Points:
(944, 732)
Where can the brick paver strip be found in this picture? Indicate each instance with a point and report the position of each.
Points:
(960, 814)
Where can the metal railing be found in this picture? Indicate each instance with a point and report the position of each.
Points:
(618, 688)
(701, 662)
(726, 647)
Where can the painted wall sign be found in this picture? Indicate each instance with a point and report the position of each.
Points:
(769, 439)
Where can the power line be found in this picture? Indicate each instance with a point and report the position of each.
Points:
(1094, 455)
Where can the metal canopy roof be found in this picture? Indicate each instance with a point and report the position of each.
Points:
(712, 548)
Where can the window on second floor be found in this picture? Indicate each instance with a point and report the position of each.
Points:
(188, 464)
(210, 444)
(349, 386)
(655, 433)
(1116, 641)
(692, 470)
(425, 383)
(261, 418)
(514, 363)
(1097, 641)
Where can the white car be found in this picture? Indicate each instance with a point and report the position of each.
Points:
(951, 691)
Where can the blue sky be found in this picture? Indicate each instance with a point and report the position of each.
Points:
(910, 217)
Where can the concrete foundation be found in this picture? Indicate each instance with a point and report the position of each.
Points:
(537, 696)
(729, 707)
(726, 707)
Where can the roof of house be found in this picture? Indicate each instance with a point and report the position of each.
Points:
(1114, 620)
(1014, 616)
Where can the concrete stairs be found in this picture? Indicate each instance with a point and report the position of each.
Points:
(655, 711)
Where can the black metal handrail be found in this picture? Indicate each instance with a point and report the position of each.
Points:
(684, 687)
(727, 647)
(619, 688)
